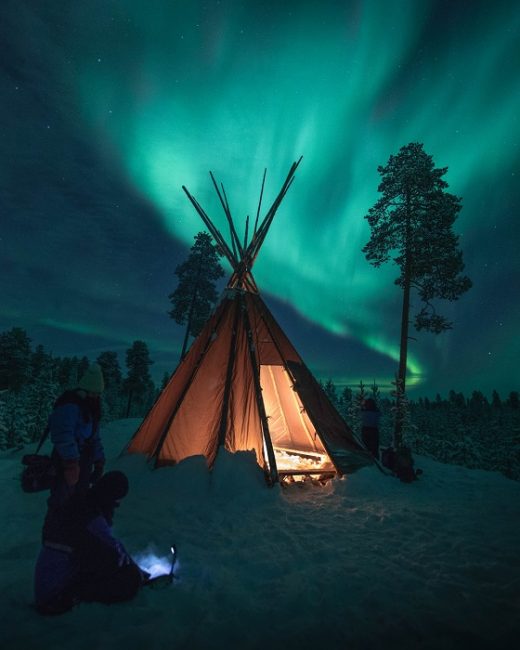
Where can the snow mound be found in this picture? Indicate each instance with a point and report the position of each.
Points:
(362, 562)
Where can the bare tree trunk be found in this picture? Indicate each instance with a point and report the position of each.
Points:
(401, 375)
(186, 335)
(190, 313)
(129, 403)
(403, 350)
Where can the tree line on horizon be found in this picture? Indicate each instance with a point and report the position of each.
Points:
(475, 400)
(32, 379)
(474, 430)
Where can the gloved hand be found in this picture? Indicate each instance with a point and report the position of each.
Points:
(145, 576)
(124, 559)
(97, 473)
(71, 471)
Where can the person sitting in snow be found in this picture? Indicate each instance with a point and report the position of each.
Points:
(74, 431)
(370, 416)
(80, 559)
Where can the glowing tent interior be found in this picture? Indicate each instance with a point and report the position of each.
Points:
(242, 385)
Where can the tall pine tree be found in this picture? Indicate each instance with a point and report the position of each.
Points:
(195, 295)
(138, 384)
(111, 397)
(412, 225)
(40, 395)
(15, 359)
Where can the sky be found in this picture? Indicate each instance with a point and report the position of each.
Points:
(108, 108)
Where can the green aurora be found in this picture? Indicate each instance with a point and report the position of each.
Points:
(168, 91)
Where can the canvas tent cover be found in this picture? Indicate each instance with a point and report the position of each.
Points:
(211, 398)
(242, 384)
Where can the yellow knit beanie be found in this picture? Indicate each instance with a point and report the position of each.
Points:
(92, 381)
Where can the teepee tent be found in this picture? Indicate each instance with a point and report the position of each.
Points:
(242, 385)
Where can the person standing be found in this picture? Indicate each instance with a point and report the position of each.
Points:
(77, 453)
(370, 416)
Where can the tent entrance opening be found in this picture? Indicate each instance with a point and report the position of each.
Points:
(296, 445)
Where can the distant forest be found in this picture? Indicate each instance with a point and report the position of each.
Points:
(32, 379)
(474, 431)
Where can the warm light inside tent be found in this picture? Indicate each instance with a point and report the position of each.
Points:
(290, 460)
(296, 445)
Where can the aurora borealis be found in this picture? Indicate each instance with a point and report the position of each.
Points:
(108, 108)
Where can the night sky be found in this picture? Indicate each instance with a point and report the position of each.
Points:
(108, 108)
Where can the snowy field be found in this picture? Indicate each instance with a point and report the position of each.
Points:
(364, 562)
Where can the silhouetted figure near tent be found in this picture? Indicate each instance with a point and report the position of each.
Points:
(80, 559)
(370, 416)
(78, 453)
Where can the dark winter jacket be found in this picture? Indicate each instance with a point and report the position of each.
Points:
(78, 548)
(370, 419)
(61, 568)
(73, 422)
(74, 432)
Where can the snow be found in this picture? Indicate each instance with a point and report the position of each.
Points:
(362, 562)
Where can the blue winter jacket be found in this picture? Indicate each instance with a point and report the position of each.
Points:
(69, 433)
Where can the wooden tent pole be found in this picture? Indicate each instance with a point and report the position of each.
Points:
(242, 258)
(273, 470)
(225, 206)
(229, 376)
(282, 192)
(250, 251)
(246, 232)
(232, 229)
(268, 219)
(247, 280)
(232, 259)
(260, 234)
(259, 202)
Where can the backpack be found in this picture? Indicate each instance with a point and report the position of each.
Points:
(403, 466)
(401, 463)
(39, 472)
(388, 458)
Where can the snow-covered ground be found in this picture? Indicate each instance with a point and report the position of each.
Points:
(364, 562)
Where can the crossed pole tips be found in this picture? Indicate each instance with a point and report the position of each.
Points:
(242, 255)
